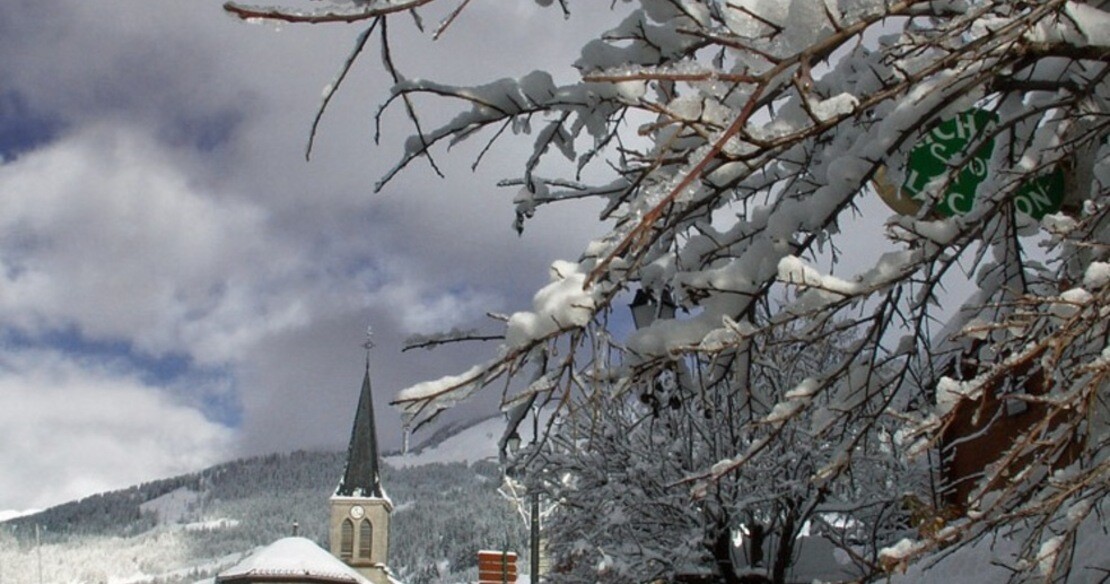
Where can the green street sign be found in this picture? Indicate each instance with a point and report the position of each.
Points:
(949, 142)
(1042, 195)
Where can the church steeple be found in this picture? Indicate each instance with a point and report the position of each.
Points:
(360, 509)
(361, 477)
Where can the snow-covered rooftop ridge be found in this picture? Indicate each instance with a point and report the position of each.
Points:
(293, 556)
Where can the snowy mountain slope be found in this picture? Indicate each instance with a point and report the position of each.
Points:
(470, 442)
(12, 514)
(173, 507)
(186, 528)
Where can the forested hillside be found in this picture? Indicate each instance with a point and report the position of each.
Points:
(185, 528)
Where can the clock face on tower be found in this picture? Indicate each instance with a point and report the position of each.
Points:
(357, 512)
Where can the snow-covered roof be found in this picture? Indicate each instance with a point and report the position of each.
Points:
(292, 558)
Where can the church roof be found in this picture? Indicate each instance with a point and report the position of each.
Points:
(361, 477)
(292, 559)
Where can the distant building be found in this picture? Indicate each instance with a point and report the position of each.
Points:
(359, 526)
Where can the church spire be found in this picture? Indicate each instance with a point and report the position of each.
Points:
(361, 477)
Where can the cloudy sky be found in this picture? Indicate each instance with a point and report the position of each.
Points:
(179, 287)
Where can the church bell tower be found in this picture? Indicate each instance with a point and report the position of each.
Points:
(360, 509)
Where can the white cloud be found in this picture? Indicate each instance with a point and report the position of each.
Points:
(70, 429)
(417, 305)
(103, 231)
(240, 256)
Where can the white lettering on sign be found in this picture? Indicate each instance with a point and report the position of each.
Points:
(978, 167)
(939, 151)
(956, 200)
(1034, 200)
(912, 182)
(965, 127)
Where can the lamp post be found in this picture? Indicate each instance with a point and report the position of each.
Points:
(646, 309)
(512, 444)
(535, 523)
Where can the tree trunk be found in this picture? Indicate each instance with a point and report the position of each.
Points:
(756, 536)
(722, 555)
(784, 552)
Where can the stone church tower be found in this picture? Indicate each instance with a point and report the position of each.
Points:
(360, 509)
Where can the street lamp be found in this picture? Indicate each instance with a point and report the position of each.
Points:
(512, 445)
(646, 308)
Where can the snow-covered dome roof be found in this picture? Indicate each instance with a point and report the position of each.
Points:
(292, 559)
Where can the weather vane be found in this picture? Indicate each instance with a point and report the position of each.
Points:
(369, 344)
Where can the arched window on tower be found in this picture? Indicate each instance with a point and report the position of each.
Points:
(346, 539)
(365, 539)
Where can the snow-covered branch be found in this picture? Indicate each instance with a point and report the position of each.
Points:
(731, 146)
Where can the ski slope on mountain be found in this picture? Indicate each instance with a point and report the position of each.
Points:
(471, 444)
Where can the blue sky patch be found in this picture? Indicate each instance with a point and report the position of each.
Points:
(21, 128)
(209, 389)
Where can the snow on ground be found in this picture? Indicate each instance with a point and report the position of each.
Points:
(478, 442)
(215, 565)
(211, 524)
(176, 506)
(12, 514)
